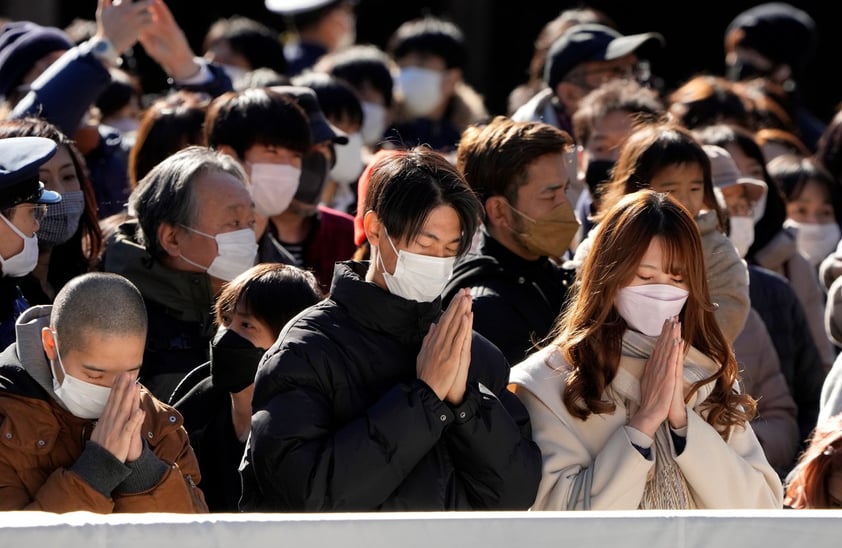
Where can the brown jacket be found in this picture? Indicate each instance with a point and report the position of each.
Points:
(40, 441)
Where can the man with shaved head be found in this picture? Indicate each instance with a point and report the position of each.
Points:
(79, 432)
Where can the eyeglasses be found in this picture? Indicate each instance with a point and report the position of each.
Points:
(39, 211)
(595, 77)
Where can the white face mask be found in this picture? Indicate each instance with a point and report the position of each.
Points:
(24, 262)
(421, 89)
(83, 399)
(125, 126)
(349, 160)
(62, 219)
(646, 307)
(272, 187)
(742, 233)
(417, 277)
(236, 253)
(815, 240)
(374, 123)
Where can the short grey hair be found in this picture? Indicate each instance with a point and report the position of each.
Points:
(97, 302)
(167, 195)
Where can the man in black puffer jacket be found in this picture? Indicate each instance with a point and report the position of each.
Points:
(519, 170)
(376, 400)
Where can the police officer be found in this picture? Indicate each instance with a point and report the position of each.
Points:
(23, 200)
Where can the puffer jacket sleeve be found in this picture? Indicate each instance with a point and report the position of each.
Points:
(298, 459)
(495, 457)
(177, 490)
(65, 91)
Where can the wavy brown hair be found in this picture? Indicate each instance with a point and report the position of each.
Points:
(808, 483)
(590, 331)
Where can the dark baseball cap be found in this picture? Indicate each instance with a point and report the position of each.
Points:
(590, 42)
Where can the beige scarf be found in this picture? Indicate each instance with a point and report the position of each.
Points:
(666, 487)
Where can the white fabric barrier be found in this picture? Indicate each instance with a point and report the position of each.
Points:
(642, 529)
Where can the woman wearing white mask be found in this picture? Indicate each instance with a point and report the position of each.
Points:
(23, 203)
(376, 399)
(69, 239)
(813, 205)
(638, 390)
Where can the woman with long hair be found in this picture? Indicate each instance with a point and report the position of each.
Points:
(638, 383)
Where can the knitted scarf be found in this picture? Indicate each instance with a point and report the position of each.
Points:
(666, 487)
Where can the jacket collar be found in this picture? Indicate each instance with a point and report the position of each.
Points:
(188, 295)
(377, 309)
(507, 258)
(27, 353)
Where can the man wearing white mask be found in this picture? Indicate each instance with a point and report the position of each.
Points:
(81, 434)
(194, 231)
(376, 399)
(434, 103)
(23, 200)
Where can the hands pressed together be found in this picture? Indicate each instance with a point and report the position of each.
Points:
(445, 356)
(118, 428)
(662, 383)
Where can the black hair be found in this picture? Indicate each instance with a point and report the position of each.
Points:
(253, 116)
(406, 186)
(360, 65)
(97, 302)
(430, 35)
(336, 97)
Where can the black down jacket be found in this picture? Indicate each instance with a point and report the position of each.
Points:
(341, 423)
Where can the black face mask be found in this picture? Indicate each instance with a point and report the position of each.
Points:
(598, 173)
(743, 70)
(234, 361)
(311, 183)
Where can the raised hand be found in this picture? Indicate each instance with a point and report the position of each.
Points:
(118, 428)
(166, 43)
(657, 384)
(441, 354)
(122, 21)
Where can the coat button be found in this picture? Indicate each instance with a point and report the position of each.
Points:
(149, 435)
(443, 418)
(41, 443)
(172, 419)
(462, 415)
(521, 280)
(8, 435)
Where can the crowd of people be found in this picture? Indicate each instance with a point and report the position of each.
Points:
(316, 275)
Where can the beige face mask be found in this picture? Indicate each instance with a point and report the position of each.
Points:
(549, 236)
